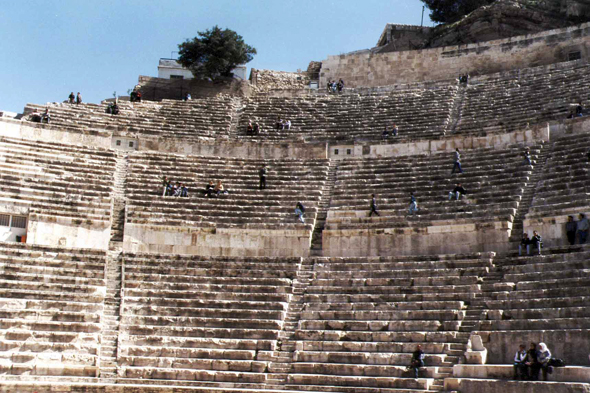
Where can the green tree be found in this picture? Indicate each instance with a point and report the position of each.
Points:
(214, 53)
(449, 11)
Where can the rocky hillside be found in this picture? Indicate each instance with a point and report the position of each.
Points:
(508, 18)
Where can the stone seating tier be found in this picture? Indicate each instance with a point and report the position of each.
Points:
(363, 317)
(349, 117)
(512, 100)
(51, 303)
(200, 118)
(214, 320)
(288, 182)
(57, 180)
(563, 186)
(494, 180)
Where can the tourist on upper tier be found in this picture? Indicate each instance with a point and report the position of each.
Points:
(300, 211)
(78, 98)
(340, 85)
(183, 191)
(279, 124)
(177, 189)
(583, 226)
(527, 156)
(262, 174)
(537, 242)
(250, 128)
(385, 134)
(209, 189)
(413, 204)
(457, 192)
(219, 189)
(256, 128)
(166, 184)
(113, 109)
(373, 206)
(570, 230)
(35, 117)
(138, 96)
(543, 357)
(457, 161)
(417, 360)
(287, 125)
(532, 363)
(520, 368)
(188, 97)
(46, 116)
(329, 86)
(71, 98)
(525, 243)
(394, 130)
(579, 110)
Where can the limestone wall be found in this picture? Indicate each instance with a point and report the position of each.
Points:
(64, 232)
(526, 136)
(425, 239)
(26, 130)
(239, 149)
(368, 69)
(217, 241)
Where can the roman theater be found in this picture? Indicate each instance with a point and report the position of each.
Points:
(108, 285)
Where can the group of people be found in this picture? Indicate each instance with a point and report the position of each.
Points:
(135, 96)
(386, 134)
(457, 193)
(77, 99)
(527, 364)
(113, 108)
(283, 124)
(252, 129)
(579, 228)
(176, 190)
(37, 117)
(535, 242)
(215, 189)
(335, 87)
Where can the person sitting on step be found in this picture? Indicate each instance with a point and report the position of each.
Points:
(525, 244)
(457, 192)
(520, 368)
(219, 189)
(250, 128)
(300, 211)
(417, 361)
(209, 189)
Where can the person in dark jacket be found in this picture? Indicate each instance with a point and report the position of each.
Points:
(532, 363)
(373, 206)
(417, 360)
(525, 244)
(570, 230)
(457, 192)
(300, 211)
(583, 225)
(262, 174)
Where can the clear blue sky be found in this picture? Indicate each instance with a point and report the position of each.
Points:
(52, 47)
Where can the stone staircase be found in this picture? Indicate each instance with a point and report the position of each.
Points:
(120, 176)
(236, 116)
(111, 316)
(280, 364)
(527, 196)
(322, 215)
(456, 110)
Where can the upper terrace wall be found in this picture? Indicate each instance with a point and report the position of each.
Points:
(366, 69)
